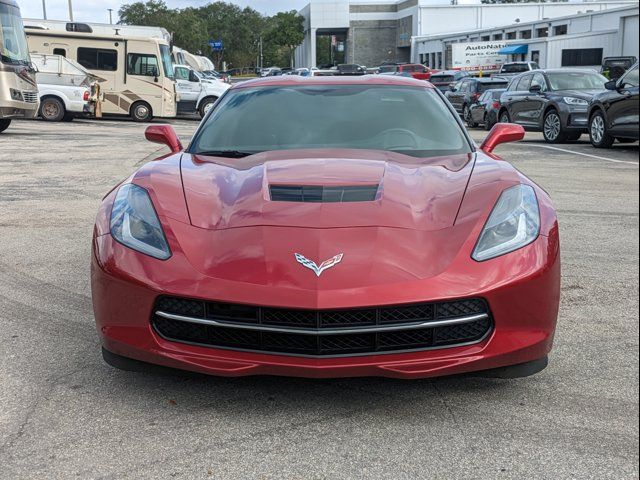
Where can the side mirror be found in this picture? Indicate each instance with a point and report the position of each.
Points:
(502, 133)
(535, 89)
(165, 135)
(452, 88)
(611, 85)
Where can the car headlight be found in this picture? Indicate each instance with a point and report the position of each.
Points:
(135, 224)
(513, 224)
(575, 101)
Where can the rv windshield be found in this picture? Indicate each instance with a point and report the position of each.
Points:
(13, 42)
(167, 63)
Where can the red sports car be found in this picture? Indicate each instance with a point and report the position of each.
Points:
(328, 227)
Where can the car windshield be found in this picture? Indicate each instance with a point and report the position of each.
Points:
(409, 120)
(515, 68)
(483, 87)
(13, 42)
(576, 81)
(442, 78)
(167, 63)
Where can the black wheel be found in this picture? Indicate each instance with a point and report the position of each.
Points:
(486, 123)
(206, 105)
(4, 124)
(504, 117)
(552, 128)
(141, 112)
(52, 109)
(626, 140)
(598, 131)
(68, 118)
(468, 118)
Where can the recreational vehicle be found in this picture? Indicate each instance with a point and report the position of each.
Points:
(18, 88)
(138, 72)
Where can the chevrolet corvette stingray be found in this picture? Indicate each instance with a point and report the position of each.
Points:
(328, 227)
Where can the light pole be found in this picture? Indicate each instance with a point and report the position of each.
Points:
(44, 9)
(110, 16)
(70, 11)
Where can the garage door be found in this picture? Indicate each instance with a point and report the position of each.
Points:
(630, 36)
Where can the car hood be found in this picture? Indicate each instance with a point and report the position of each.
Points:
(410, 193)
(583, 94)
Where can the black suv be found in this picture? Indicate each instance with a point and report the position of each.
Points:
(467, 92)
(613, 115)
(555, 102)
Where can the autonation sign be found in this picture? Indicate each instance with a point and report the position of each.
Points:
(477, 56)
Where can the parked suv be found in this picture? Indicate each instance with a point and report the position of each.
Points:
(444, 80)
(555, 102)
(467, 92)
(614, 67)
(613, 114)
(485, 111)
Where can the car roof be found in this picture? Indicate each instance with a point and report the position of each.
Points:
(447, 72)
(291, 81)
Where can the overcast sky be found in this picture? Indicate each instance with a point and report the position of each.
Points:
(96, 10)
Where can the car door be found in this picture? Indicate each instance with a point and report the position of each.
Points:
(188, 90)
(623, 110)
(533, 105)
(516, 98)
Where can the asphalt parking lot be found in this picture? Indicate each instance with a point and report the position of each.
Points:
(65, 414)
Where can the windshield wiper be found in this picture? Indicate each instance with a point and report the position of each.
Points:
(227, 153)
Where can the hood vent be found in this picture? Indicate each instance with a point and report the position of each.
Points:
(322, 194)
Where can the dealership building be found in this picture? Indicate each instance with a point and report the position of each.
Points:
(370, 32)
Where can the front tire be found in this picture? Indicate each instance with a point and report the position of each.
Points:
(598, 134)
(52, 110)
(504, 117)
(141, 112)
(206, 105)
(4, 124)
(552, 128)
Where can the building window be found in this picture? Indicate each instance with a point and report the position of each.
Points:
(581, 57)
(525, 34)
(497, 36)
(486, 38)
(98, 59)
(141, 64)
(560, 30)
(535, 56)
(439, 60)
(511, 35)
(542, 32)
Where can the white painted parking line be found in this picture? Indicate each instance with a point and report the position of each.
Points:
(578, 153)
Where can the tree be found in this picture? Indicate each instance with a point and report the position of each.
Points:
(286, 31)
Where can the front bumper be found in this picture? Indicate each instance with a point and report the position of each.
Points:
(523, 300)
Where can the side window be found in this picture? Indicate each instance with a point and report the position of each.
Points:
(60, 51)
(142, 64)
(464, 88)
(182, 73)
(457, 87)
(98, 59)
(524, 83)
(631, 78)
(538, 79)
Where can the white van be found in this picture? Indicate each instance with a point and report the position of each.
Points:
(197, 94)
(138, 72)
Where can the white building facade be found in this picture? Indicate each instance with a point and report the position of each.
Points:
(373, 32)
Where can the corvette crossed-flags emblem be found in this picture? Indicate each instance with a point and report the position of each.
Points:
(318, 269)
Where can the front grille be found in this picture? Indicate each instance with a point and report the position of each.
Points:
(322, 332)
(30, 97)
(322, 194)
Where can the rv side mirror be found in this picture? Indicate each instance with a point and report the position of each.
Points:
(502, 133)
(165, 135)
